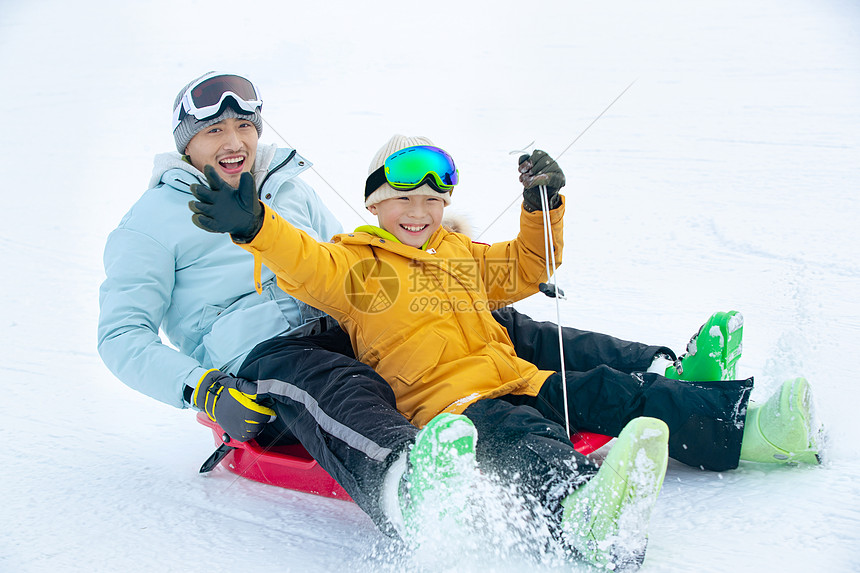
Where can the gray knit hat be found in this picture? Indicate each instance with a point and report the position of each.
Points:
(386, 191)
(191, 126)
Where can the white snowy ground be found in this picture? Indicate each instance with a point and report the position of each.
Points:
(725, 178)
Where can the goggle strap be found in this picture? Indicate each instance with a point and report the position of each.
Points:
(374, 181)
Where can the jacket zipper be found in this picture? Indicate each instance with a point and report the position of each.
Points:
(284, 162)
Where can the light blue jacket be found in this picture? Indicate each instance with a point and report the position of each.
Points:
(165, 273)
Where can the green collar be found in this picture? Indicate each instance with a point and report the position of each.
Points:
(382, 233)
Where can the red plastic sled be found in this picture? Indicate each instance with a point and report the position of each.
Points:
(291, 467)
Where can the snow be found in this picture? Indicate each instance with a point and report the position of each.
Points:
(725, 178)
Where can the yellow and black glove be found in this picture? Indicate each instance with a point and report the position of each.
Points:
(540, 169)
(232, 404)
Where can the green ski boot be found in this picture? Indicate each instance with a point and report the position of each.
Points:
(713, 352)
(606, 520)
(441, 465)
(780, 431)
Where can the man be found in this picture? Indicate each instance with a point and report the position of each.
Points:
(162, 272)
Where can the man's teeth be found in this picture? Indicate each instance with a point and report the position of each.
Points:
(233, 160)
(414, 228)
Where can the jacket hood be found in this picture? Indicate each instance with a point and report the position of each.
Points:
(171, 167)
(457, 223)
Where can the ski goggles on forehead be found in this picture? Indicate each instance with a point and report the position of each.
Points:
(207, 97)
(414, 166)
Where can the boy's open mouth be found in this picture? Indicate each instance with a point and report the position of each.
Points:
(413, 228)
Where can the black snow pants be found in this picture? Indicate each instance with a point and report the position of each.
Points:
(608, 386)
(523, 438)
(339, 409)
(345, 416)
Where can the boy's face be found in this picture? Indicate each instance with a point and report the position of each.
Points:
(412, 219)
(230, 146)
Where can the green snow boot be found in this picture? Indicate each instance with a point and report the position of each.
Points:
(606, 520)
(441, 466)
(713, 352)
(781, 431)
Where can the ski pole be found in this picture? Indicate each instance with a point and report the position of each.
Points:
(556, 293)
(479, 235)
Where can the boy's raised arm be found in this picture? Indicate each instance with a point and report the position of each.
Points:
(308, 270)
(513, 270)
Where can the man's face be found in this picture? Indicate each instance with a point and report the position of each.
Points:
(412, 219)
(230, 146)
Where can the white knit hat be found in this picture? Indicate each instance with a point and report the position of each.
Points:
(386, 191)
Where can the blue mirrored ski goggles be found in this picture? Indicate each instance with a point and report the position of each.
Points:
(414, 166)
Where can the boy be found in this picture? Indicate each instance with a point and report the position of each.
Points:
(416, 300)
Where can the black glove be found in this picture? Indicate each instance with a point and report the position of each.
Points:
(231, 403)
(221, 209)
(540, 169)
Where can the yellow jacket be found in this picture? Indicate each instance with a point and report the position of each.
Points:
(420, 318)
